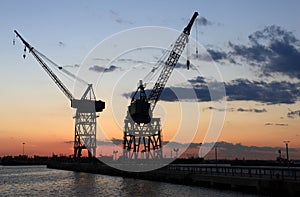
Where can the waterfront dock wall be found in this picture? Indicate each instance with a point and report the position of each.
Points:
(274, 181)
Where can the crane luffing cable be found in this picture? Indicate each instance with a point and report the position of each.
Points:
(141, 109)
(63, 69)
(45, 67)
(83, 105)
(158, 66)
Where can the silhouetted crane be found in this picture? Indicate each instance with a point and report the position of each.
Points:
(141, 109)
(86, 107)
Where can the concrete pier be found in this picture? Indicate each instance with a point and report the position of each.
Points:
(273, 181)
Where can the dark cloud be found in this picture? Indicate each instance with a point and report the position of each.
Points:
(252, 110)
(239, 109)
(97, 68)
(184, 65)
(130, 60)
(217, 55)
(236, 90)
(274, 49)
(293, 114)
(276, 124)
(61, 44)
(243, 89)
(281, 124)
(198, 81)
(214, 108)
(270, 93)
(118, 19)
(202, 21)
(252, 53)
(245, 148)
(166, 95)
(117, 141)
(232, 150)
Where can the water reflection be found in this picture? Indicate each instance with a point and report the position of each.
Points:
(40, 181)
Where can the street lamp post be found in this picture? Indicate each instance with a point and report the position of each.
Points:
(216, 153)
(115, 152)
(23, 148)
(176, 152)
(200, 150)
(287, 149)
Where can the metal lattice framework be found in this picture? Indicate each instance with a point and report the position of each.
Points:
(168, 68)
(144, 139)
(85, 128)
(150, 133)
(86, 107)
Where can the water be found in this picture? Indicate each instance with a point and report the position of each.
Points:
(41, 181)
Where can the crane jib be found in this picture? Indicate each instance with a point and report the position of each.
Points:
(141, 109)
(83, 105)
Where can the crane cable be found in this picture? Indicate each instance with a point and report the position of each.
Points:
(60, 68)
(157, 67)
(65, 72)
(196, 29)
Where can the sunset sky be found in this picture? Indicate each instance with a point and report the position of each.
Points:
(250, 48)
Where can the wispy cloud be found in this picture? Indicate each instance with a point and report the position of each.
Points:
(252, 110)
(276, 124)
(61, 44)
(203, 21)
(72, 66)
(293, 114)
(97, 68)
(118, 19)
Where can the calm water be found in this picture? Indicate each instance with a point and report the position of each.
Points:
(40, 181)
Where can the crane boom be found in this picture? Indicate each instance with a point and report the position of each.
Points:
(170, 64)
(82, 105)
(141, 109)
(56, 80)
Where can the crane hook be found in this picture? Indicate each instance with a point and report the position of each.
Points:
(24, 54)
(188, 64)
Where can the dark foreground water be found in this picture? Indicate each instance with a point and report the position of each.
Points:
(40, 181)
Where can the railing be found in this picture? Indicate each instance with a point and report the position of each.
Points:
(282, 173)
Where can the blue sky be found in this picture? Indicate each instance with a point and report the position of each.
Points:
(82, 24)
(66, 31)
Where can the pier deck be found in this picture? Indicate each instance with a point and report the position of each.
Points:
(274, 181)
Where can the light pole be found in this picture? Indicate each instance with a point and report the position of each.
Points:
(23, 148)
(115, 152)
(216, 153)
(287, 149)
(200, 150)
(176, 151)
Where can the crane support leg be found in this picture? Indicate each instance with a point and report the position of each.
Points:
(142, 141)
(85, 134)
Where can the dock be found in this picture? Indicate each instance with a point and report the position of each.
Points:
(265, 180)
